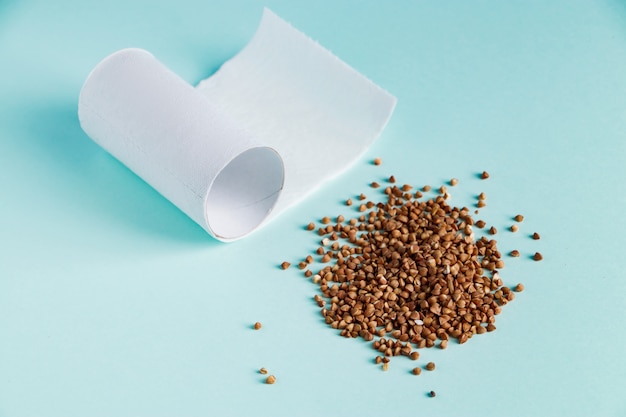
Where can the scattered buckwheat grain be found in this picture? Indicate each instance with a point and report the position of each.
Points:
(408, 273)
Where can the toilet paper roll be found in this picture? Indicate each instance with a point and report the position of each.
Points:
(177, 141)
(269, 127)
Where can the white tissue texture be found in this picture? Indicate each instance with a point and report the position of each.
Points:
(269, 127)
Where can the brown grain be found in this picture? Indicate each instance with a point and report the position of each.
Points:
(410, 274)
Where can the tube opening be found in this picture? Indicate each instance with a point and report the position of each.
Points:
(244, 193)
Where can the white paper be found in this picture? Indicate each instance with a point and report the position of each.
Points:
(264, 131)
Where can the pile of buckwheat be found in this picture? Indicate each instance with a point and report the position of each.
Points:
(409, 272)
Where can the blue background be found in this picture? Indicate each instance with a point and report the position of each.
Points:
(114, 303)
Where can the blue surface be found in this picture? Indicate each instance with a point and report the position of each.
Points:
(113, 303)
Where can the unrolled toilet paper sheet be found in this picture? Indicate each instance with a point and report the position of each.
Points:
(274, 123)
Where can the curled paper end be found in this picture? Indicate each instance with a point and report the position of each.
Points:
(177, 141)
(269, 127)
